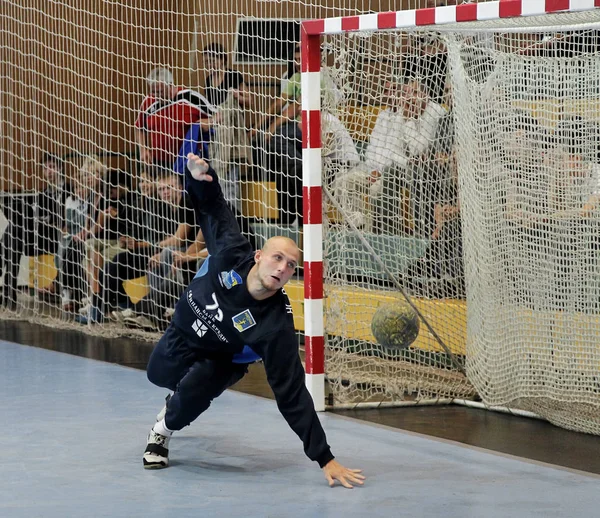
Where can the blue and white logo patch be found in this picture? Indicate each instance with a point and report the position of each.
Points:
(243, 320)
(231, 279)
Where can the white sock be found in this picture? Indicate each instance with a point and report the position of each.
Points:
(162, 429)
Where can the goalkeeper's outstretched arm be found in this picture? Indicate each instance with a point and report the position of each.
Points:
(214, 216)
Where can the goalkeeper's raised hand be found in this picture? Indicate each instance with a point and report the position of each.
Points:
(198, 168)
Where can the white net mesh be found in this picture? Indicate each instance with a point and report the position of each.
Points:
(477, 189)
(74, 77)
(107, 94)
(391, 180)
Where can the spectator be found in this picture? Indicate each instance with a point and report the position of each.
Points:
(524, 156)
(78, 208)
(573, 222)
(16, 241)
(49, 211)
(170, 190)
(114, 219)
(168, 274)
(165, 116)
(230, 154)
(34, 226)
(396, 155)
(428, 59)
(286, 106)
(277, 141)
(290, 70)
(284, 155)
(576, 185)
(229, 148)
(278, 134)
(339, 150)
(80, 212)
(222, 80)
(168, 250)
(153, 221)
(440, 273)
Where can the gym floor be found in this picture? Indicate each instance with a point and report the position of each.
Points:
(74, 430)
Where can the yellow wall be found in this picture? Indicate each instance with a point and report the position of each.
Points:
(354, 314)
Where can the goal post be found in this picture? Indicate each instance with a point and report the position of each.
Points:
(477, 205)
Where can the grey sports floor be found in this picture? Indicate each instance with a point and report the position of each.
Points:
(73, 430)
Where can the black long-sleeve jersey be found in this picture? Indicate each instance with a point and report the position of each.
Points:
(218, 316)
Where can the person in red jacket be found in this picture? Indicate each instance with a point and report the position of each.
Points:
(165, 116)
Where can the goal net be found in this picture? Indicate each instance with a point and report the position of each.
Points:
(472, 191)
(481, 215)
(91, 88)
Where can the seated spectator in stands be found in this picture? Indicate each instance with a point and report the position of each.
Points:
(285, 107)
(427, 57)
(165, 116)
(576, 183)
(80, 212)
(229, 149)
(289, 72)
(221, 80)
(116, 213)
(49, 220)
(277, 139)
(16, 241)
(339, 150)
(394, 159)
(34, 226)
(440, 272)
(284, 161)
(171, 191)
(172, 247)
(288, 105)
(153, 222)
(169, 273)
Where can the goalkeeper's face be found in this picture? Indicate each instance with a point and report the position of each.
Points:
(277, 262)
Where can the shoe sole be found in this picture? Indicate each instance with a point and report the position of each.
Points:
(155, 465)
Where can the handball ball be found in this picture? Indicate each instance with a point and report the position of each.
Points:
(395, 325)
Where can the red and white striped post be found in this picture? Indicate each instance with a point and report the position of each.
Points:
(313, 217)
(311, 32)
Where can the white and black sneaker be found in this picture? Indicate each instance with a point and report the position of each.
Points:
(161, 415)
(156, 455)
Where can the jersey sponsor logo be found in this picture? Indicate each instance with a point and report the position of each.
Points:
(243, 321)
(200, 328)
(219, 314)
(230, 279)
(206, 319)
